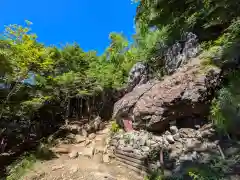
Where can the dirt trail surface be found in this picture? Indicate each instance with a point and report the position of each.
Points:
(78, 161)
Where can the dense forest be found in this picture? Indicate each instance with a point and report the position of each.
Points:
(38, 82)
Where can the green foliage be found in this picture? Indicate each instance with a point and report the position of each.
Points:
(217, 168)
(216, 25)
(25, 163)
(225, 108)
(22, 55)
(114, 127)
(199, 16)
(111, 69)
(155, 175)
(226, 47)
(27, 55)
(59, 73)
(201, 174)
(20, 167)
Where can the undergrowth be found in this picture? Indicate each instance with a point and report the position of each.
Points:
(26, 162)
(225, 110)
(20, 167)
(114, 127)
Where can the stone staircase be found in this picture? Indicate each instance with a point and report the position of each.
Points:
(93, 145)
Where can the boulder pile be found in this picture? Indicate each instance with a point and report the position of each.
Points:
(178, 145)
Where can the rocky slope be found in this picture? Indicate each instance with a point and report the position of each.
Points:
(170, 122)
(183, 95)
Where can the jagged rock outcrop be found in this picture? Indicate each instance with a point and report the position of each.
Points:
(181, 52)
(174, 57)
(138, 75)
(184, 94)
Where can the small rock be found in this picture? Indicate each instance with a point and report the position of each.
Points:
(131, 142)
(194, 155)
(188, 142)
(73, 154)
(158, 139)
(102, 126)
(100, 150)
(84, 133)
(197, 127)
(71, 136)
(74, 169)
(79, 138)
(137, 151)
(165, 141)
(88, 152)
(97, 122)
(176, 137)
(87, 127)
(136, 145)
(54, 168)
(206, 134)
(128, 149)
(173, 129)
(113, 142)
(121, 131)
(110, 153)
(91, 136)
(145, 149)
(107, 140)
(106, 158)
(170, 139)
(167, 133)
(39, 175)
(158, 163)
(103, 176)
(155, 145)
(187, 157)
(62, 150)
(211, 145)
(121, 142)
(87, 142)
(175, 153)
(143, 140)
(198, 136)
(148, 142)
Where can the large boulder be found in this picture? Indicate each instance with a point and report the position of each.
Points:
(184, 94)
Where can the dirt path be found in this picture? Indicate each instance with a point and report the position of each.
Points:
(80, 168)
(79, 163)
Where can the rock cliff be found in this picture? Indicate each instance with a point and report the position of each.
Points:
(183, 95)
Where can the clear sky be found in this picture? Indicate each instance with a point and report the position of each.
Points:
(87, 22)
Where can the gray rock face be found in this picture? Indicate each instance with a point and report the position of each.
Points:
(154, 105)
(175, 56)
(173, 129)
(138, 75)
(124, 105)
(181, 52)
(170, 139)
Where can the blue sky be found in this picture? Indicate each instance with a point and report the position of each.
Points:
(57, 22)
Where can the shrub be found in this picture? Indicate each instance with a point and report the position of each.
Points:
(225, 108)
(114, 127)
